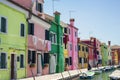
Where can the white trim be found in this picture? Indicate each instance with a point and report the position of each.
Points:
(6, 24)
(6, 61)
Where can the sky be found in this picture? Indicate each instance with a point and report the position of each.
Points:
(93, 18)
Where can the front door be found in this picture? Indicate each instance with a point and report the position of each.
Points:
(13, 67)
(52, 63)
(82, 62)
(39, 64)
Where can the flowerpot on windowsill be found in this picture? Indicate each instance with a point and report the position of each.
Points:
(32, 65)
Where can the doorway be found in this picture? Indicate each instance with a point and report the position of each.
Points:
(53, 63)
(13, 67)
(39, 63)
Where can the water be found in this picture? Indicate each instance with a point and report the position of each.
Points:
(102, 76)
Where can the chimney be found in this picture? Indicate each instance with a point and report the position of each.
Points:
(72, 21)
(109, 43)
(78, 40)
(57, 17)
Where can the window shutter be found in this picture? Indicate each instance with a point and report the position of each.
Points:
(29, 56)
(46, 58)
(47, 35)
(70, 60)
(21, 61)
(33, 57)
(22, 30)
(40, 7)
(31, 29)
(3, 60)
(3, 24)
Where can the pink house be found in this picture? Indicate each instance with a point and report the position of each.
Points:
(72, 45)
(38, 44)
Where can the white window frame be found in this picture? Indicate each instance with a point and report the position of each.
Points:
(52, 38)
(6, 24)
(24, 30)
(6, 61)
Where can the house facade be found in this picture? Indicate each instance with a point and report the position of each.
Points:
(109, 53)
(73, 51)
(115, 54)
(104, 52)
(82, 55)
(13, 38)
(56, 37)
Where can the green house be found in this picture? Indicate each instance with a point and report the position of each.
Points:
(104, 52)
(13, 34)
(56, 37)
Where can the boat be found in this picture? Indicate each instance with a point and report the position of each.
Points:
(115, 75)
(97, 71)
(87, 75)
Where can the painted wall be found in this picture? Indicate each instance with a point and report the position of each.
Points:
(73, 42)
(57, 48)
(104, 52)
(90, 55)
(11, 42)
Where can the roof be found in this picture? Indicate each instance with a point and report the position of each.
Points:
(17, 4)
(115, 47)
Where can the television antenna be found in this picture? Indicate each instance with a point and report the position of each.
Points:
(53, 4)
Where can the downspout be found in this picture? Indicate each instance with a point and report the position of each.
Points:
(27, 19)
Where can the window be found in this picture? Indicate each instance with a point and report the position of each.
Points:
(86, 49)
(69, 31)
(46, 35)
(80, 60)
(3, 26)
(75, 34)
(46, 58)
(70, 46)
(21, 61)
(22, 30)
(85, 60)
(79, 47)
(31, 57)
(53, 37)
(65, 30)
(70, 60)
(3, 61)
(31, 29)
(61, 40)
(67, 60)
(82, 48)
(75, 48)
(39, 7)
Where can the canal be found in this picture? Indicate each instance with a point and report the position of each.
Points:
(102, 76)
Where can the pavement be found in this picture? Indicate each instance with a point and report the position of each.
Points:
(58, 76)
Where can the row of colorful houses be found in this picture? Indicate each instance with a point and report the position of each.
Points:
(33, 43)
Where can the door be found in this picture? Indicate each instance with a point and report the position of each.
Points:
(39, 64)
(82, 62)
(13, 67)
(52, 63)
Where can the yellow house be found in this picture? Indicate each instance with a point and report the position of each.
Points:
(83, 55)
